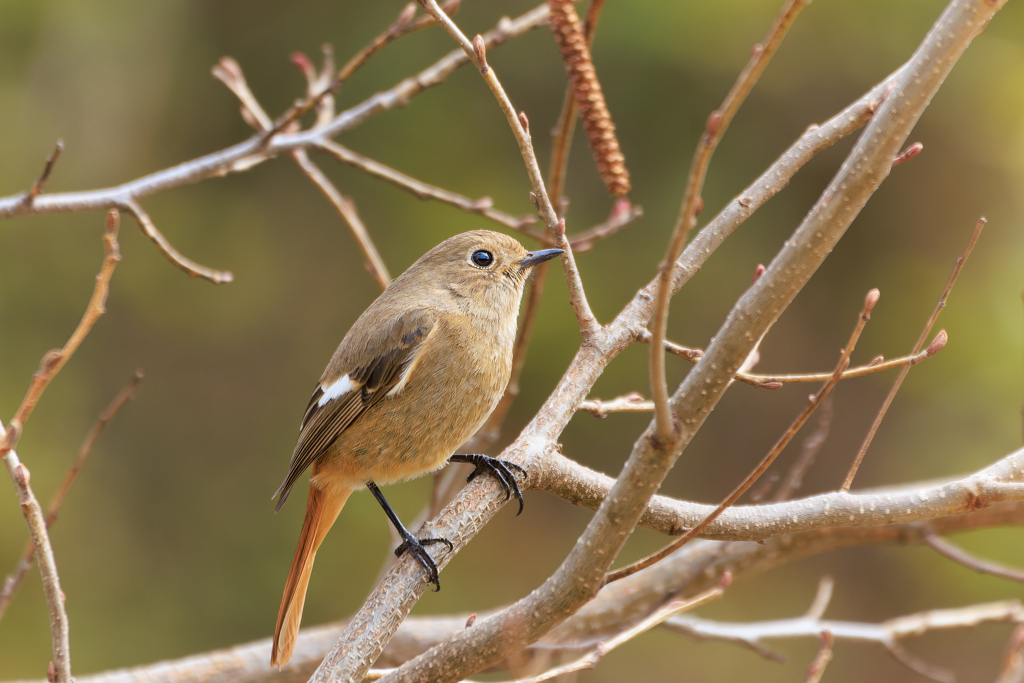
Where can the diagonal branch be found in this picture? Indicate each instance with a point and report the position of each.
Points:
(812, 404)
(535, 448)
(696, 568)
(717, 124)
(14, 579)
(483, 206)
(939, 341)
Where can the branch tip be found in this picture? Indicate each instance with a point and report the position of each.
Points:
(871, 300)
(908, 154)
(940, 341)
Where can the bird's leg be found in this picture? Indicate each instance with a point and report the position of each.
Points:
(499, 469)
(411, 543)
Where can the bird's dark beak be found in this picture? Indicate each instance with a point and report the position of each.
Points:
(539, 256)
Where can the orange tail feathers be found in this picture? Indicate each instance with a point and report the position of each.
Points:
(322, 509)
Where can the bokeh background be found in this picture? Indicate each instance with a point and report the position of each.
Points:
(167, 545)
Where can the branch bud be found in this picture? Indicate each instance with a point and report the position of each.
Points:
(481, 52)
(714, 123)
(405, 16)
(908, 154)
(876, 360)
(22, 476)
(869, 302)
(525, 121)
(940, 340)
(758, 272)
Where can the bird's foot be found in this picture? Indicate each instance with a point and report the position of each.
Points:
(502, 470)
(416, 547)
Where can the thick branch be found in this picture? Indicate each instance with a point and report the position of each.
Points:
(616, 607)
(1002, 481)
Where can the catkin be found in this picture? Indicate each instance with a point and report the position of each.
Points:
(597, 121)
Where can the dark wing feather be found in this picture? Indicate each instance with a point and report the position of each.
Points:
(374, 367)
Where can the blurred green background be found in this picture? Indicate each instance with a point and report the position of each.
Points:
(167, 545)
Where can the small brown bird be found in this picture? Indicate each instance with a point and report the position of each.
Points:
(415, 377)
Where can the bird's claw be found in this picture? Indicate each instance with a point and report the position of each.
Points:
(502, 470)
(416, 547)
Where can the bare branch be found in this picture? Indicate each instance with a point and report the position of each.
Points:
(672, 609)
(717, 124)
(483, 206)
(696, 568)
(256, 149)
(824, 656)
(888, 634)
(374, 263)
(14, 579)
(589, 326)
(1001, 481)
(535, 447)
(167, 249)
(878, 364)
(812, 444)
(47, 564)
(54, 360)
(622, 214)
(1012, 669)
(937, 344)
(812, 404)
(630, 403)
(40, 182)
(961, 556)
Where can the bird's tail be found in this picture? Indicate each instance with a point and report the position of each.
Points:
(322, 509)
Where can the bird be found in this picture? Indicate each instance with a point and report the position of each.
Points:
(417, 374)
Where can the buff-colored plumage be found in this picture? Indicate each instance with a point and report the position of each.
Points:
(417, 374)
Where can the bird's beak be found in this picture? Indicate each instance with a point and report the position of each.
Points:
(539, 256)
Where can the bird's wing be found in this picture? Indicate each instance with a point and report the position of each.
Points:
(362, 372)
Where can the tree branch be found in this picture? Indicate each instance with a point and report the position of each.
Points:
(717, 124)
(694, 569)
(14, 579)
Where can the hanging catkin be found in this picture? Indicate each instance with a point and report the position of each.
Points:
(597, 121)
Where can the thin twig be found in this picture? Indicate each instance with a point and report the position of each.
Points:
(230, 73)
(961, 556)
(51, 364)
(13, 580)
(622, 214)
(557, 170)
(656, 618)
(817, 668)
(812, 444)
(476, 51)
(1012, 668)
(33, 513)
(717, 124)
(54, 360)
(812, 404)
(374, 263)
(40, 183)
(693, 355)
(888, 634)
(630, 403)
(483, 206)
(167, 249)
(917, 348)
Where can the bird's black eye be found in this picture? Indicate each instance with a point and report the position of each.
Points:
(482, 258)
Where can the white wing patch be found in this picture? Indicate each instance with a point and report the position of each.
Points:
(400, 387)
(339, 387)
